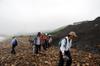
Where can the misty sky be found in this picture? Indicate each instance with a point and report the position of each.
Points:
(19, 16)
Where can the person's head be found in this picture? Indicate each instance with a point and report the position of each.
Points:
(72, 35)
(49, 36)
(13, 37)
(46, 34)
(39, 34)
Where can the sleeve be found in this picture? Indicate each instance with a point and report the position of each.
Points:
(70, 44)
(62, 48)
(12, 41)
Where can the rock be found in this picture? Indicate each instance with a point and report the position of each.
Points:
(27, 63)
(12, 65)
(46, 62)
(50, 57)
(90, 55)
(83, 65)
(6, 64)
(87, 64)
(78, 64)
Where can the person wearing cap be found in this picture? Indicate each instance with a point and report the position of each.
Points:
(49, 40)
(65, 46)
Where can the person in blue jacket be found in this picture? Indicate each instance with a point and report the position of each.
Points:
(14, 43)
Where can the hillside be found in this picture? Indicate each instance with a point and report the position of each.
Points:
(85, 50)
(88, 35)
(25, 57)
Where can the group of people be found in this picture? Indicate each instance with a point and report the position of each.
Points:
(38, 42)
(43, 41)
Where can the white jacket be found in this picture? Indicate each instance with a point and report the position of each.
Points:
(68, 46)
(38, 41)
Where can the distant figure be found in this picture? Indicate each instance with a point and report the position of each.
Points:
(50, 40)
(65, 45)
(43, 38)
(37, 43)
(33, 48)
(46, 40)
(33, 43)
(30, 40)
(14, 43)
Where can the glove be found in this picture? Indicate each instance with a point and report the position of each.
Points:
(65, 57)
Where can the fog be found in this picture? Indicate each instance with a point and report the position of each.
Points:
(26, 16)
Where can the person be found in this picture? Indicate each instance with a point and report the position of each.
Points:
(30, 40)
(14, 43)
(37, 43)
(65, 46)
(33, 48)
(50, 40)
(42, 38)
(45, 38)
(33, 43)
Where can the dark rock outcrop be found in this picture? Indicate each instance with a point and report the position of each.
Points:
(88, 34)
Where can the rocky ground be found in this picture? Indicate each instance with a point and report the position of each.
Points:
(25, 56)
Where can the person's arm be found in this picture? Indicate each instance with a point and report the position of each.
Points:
(12, 41)
(69, 45)
(62, 48)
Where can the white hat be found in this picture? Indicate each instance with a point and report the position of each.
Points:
(72, 33)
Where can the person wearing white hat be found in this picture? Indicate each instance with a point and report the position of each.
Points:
(65, 46)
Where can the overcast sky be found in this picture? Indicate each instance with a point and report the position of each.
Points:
(18, 16)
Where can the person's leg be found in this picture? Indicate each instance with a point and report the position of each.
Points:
(36, 49)
(69, 60)
(61, 60)
(49, 44)
(44, 46)
(13, 49)
(46, 43)
(40, 47)
(33, 49)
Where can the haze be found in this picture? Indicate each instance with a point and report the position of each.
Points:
(25, 16)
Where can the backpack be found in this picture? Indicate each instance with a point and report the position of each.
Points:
(35, 40)
(15, 42)
(65, 42)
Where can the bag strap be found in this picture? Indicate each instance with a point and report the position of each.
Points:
(65, 42)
